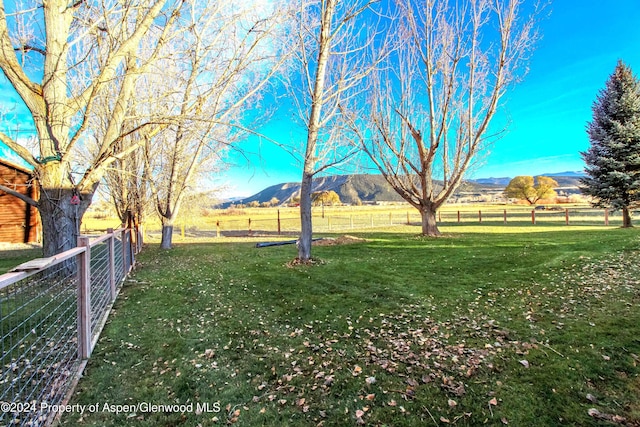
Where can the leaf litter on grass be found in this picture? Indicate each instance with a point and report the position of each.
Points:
(383, 364)
(421, 351)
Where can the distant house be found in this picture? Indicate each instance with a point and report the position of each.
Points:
(19, 222)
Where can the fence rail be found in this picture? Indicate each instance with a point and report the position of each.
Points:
(50, 320)
(337, 220)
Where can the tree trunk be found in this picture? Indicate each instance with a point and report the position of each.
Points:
(167, 233)
(429, 223)
(60, 218)
(626, 217)
(306, 229)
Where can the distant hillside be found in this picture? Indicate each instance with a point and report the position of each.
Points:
(352, 189)
(564, 179)
(368, 188)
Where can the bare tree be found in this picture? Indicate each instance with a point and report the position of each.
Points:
(128, 188)
(334, 45)
(77, 49)
(226, 56)
(432, 105)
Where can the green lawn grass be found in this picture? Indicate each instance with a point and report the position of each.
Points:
(484, 326)
(14, 257)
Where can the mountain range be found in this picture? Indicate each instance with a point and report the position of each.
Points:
(369, 188)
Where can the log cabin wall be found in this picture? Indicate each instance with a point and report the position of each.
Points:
(19, 222)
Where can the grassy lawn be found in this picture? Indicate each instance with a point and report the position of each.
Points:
(10, 258)
(485, 326)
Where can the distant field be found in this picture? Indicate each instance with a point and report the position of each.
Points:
(343, 218)
(488, 325)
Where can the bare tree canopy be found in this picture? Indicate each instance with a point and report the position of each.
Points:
(170, 76)
(334, 49)
(226, 56)
(75, 51)
(432, 104)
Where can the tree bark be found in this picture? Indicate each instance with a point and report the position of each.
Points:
(429, 223)
(626, 218)
(60, 218)
(306, 226)
(313, 128)
(167, 234)
(60, 221)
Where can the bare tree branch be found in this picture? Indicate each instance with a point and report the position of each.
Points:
(432, 105)
(28, 200)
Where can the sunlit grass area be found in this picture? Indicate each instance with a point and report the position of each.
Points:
(484, 326)
(12, 256)
(207, 223)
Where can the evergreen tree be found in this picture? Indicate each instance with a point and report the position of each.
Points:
(613, 159)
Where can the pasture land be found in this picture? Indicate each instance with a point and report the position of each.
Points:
(210, 223)
(485, 326)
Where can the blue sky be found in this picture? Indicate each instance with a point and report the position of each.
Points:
(581, 42)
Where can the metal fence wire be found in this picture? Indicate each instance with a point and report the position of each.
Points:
(39, 343)
(119, 259)
(41, 326)
(100, 285)
(344, 218)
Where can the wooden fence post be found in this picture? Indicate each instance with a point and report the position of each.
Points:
(533, 216)
(112, 264)
(606, 217)
(458, 216)
(278, 222)
(480, 216)
(249, 225)
(218, 228)
(566, 216)
(504, 215)
(125, 257)
(132, 259)
(84, 299)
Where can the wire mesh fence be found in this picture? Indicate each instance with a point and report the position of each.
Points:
(100, 285)
(118, 258)
(41, 325)
(38, 350)
(287, 222)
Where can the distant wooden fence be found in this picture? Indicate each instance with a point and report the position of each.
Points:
(289, 224)
(52, 312)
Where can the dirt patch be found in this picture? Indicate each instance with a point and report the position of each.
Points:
(311, 262)
(342, 240)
